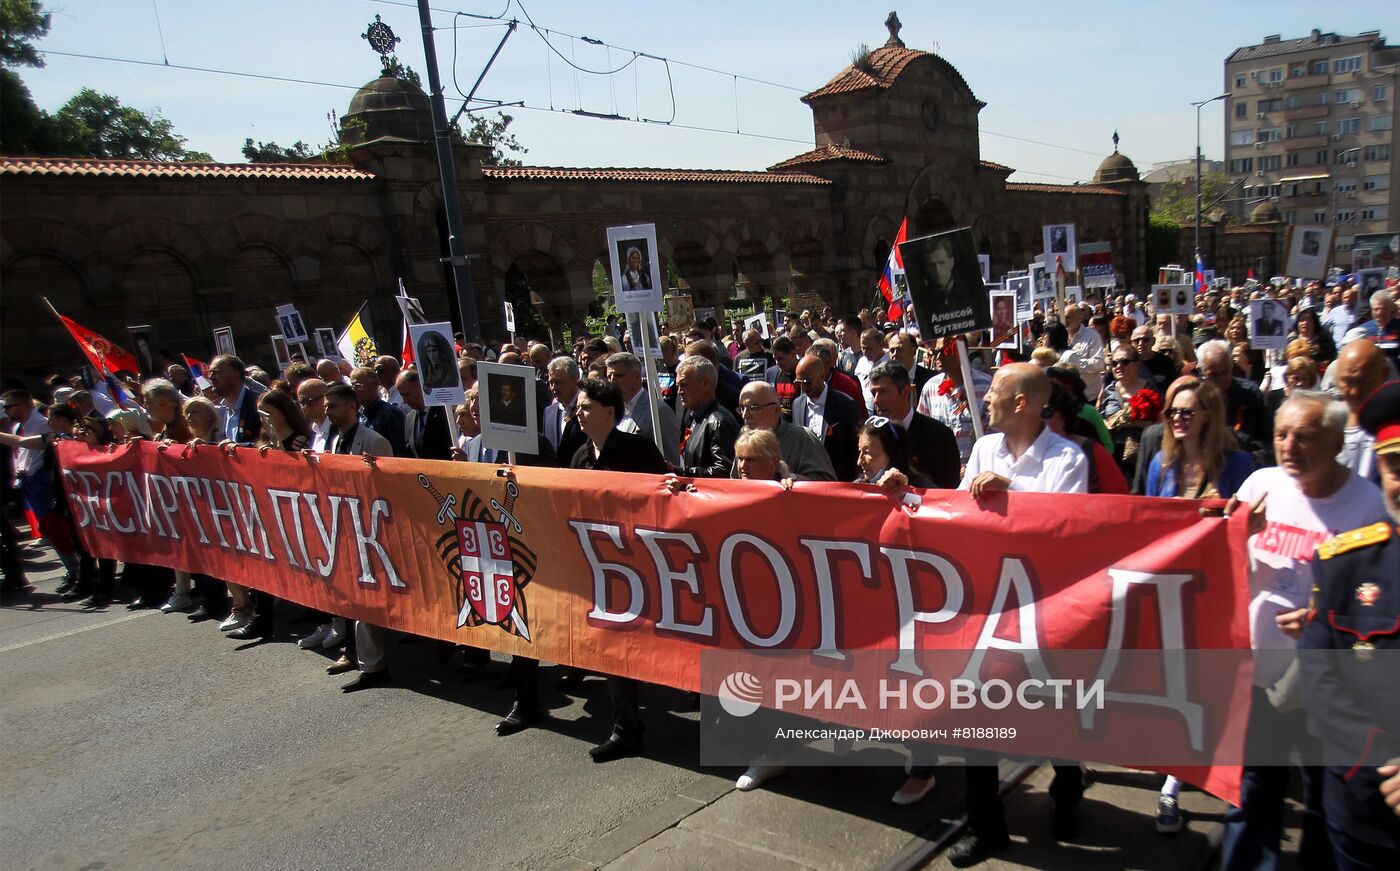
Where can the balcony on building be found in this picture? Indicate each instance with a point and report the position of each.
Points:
(1317, 140)
(1312, 80)
(1302, 113)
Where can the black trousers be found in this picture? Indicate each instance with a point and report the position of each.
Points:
(525, 674)
(96, 576)
(986, 816)
(627, 715)
(215, 595)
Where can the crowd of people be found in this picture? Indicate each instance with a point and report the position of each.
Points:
(1104, 398)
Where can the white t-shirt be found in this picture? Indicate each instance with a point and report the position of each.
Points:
(1052, 464)
(863, 367)
(1280, 557)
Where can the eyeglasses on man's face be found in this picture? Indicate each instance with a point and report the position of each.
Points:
(755, 409)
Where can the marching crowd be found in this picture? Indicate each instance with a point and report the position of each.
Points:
(1105, 397)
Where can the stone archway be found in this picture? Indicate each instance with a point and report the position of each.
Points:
(933, 216)
(537, 287)
(28, 324)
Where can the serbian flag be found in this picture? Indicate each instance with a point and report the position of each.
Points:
(106, 357)
(197, 368)
(893, 264)
(1201, 274)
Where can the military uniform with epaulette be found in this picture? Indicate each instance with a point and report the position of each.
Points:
(1349, 665)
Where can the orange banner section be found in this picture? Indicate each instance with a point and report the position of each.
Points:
(611, 572)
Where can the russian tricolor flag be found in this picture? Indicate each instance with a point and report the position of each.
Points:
(1200, 275)
(894, 263)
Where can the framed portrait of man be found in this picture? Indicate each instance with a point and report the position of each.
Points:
(1268, 324)
(223, 342)
(1309, 250)
(680, 312)
(1173, 299)
(1042, 285)
(1368, 281)
(1059, 247)
(636, 272)
(984, 261)
(509, 420)
(292, 326)
(1003, 308)
(436, 363)
(945, 282)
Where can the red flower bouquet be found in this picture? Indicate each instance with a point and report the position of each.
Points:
(1145, 406)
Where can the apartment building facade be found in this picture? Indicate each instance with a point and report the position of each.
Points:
(1309, 126)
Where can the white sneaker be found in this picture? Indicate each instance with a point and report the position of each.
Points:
(178, 602)
(757, 775)
(334, 637)
(315, 639)
(235, 621)
(913, 790)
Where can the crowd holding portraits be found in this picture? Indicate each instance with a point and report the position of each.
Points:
(1276, 402)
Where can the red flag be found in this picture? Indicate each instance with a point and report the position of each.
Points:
(406, 355)
(197, 368)
(105, 357)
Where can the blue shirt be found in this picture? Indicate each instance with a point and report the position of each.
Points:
(1238, 466)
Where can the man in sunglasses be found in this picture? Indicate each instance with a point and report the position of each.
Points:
(311, 395)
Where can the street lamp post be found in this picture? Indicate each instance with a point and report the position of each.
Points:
(1332, 218)
(1198, 106)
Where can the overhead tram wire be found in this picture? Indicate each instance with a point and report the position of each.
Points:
(488, 103)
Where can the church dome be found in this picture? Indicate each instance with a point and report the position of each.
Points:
(1116, 167)
(1265, 213)
(388, 108)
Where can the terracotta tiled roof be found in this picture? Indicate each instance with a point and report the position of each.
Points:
(719, 176)
(886, 63)
(826, 154)
(1288, 46)
(161, 169)
(1000, 167)
(1099, 190)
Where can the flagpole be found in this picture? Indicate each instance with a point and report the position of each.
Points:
(101, 357)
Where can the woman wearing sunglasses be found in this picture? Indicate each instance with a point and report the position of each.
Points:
(1200, 456)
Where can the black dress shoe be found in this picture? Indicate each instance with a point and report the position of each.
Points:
(367, 680)
(1065, 824)
(971, 849)
(519, 719)
(67, 586)
(76, 593)
(137, 604)
(616, 747)
(98, 601)
(252, 630)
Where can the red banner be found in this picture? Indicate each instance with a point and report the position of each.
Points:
(613, 573)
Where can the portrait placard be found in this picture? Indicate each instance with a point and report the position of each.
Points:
(1173, 299)
(1003, 311)
(1074, 294)
(509, 420)
(1021, 286)
(636, 272)
(757, 322)
(634, 327)
(1383, 248)
(1059, 247)
(1042, 285)
(325, 343)
(985, 262)
(1368, 281)
(1309, 250)
(945, 283)
(292, 326)
(680, 312)
(223, 341)
(510, 318)
(436, 363)
(1268, 324)
(143, 345)
(281, 354)
(704, 313)
(1171, 274)
(411, 309)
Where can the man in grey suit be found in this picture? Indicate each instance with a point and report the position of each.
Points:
(625, 370)
(804, 455)
(560, 428)
(354, 438)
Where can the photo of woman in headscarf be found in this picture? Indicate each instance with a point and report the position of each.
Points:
(636, 275)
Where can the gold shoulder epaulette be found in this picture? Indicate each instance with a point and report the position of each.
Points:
(1353, 539)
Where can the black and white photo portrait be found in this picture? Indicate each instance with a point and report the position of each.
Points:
(945, 282)
(292, 326)
(433, 357)
(636, 270)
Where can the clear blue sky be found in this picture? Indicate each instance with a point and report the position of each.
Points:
(1068, 73)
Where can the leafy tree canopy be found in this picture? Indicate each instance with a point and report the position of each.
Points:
(21, 22)
(1177, 199)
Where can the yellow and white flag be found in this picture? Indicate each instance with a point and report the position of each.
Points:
(355, 343)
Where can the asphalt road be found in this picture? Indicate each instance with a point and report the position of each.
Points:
(134, 739)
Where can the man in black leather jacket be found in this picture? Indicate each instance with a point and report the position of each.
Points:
(708, 431)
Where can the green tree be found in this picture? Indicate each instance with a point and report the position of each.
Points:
(98, 125)
(1177, 199)
(1163, 244)
(271, 152)
(21, 21)
(495, 134)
